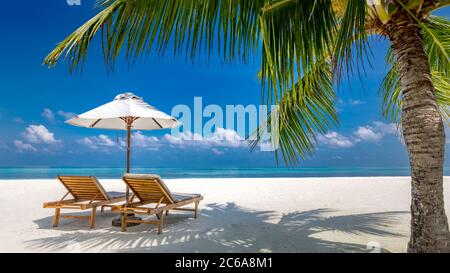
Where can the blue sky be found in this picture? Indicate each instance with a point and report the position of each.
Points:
(36, 101)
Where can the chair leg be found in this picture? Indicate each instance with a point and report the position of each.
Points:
(161, 222)
(196, 210)
(123, 222)
(93, 216)
(56, 217)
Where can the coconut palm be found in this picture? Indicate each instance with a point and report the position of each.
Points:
(306, 47)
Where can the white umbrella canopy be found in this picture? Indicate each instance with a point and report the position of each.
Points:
(125, 111)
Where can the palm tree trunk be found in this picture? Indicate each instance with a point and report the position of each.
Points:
(423, 131)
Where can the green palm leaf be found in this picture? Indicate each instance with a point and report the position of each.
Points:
(436, 33)
(392, 100)
(295, 35)
(193, 26)
(303, 113)
(436, 36)
(351, 44)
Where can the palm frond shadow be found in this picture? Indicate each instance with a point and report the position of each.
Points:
(221, 228)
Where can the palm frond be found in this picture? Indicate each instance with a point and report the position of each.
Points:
(351, 44)
(75, 46)
(295, 35)
(390, 91)
(303, 113)
(436, 34)
(431, 5)
(192, 26)
(441, 83)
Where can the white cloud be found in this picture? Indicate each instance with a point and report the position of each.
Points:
(355, 102)
(217, 151)
(66, 115)
(96, 142)
(221, 138)
(387, 128)
(334, 139)
(182, 138)
(341, 104)
(39, 134)
(366, 133)
(48, 115)
(24, 147)
(376, 131)
(226, 137)
(87, 141)
(104, 142)
(142, 141)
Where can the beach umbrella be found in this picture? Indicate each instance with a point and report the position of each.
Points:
(126, 112)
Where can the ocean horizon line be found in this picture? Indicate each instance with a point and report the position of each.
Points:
(8, 173)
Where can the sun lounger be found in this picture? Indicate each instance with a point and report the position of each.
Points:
(87, 193)
(150, 189)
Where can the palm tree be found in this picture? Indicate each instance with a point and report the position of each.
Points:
(307, 46)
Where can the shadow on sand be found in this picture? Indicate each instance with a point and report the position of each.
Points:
(220, 228)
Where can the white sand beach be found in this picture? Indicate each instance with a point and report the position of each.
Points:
(237, 215)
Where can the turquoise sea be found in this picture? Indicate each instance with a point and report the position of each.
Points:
(45, 172)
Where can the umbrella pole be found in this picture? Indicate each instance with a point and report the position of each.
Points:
(118, 222)
(128, 154)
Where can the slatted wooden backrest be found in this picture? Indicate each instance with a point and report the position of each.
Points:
(149, 188)
(84, 187)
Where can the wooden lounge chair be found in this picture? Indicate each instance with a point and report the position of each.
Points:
(150, 189)
(87, 193)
